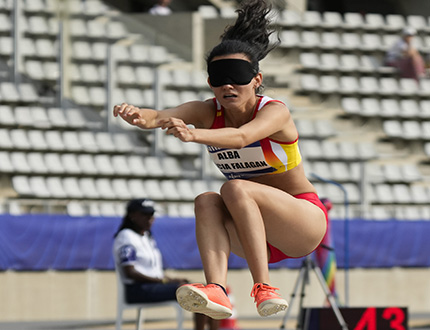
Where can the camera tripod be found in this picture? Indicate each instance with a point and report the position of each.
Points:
(307, 265)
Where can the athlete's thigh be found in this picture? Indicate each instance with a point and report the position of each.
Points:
(295, 226)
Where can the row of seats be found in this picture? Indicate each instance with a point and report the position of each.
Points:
(351, 21)
(365, 86)
(21, 93)
(344, 63)
(55, 187)
(76, 8)
(95, 96)
(386, 107)
(42, 118)
(89, 165)
(328, 150)
(354, 172)
(69, 141)
(407, 129)
(399, 212)
(346, 42)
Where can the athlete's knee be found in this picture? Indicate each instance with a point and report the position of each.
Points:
(206, 199)
(232, 189)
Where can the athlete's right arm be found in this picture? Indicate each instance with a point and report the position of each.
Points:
(197, 113)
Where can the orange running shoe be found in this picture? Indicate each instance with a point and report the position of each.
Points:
(268, 301)
(210, 300)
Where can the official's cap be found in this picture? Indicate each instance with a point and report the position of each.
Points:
(409, 31)
(142, 205)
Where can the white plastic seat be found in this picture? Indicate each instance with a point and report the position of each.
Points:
(105, 142)
(310, 40)
(348, 150)
(105, 189)
(290, 39)
(71, 141)
(350, 41)
(123, 305)
(23, 116)
(309, 83)
(349, 62)
(171, 167)
(103, 164)
(121, 188)
(88, 141)
(374, 21)
(353, 21)
(369, 85)
(153, 188)
(7, 117)
(36, 161)
(87, 164)
(153, 166)
(370, 107)
(169, 190)
(330, 149)
(72, 188)
(393, 128)
(57, 117)
(311, 19)
(371, 42)
(19, 139)
(349, 85)
(6, 165)
(53, 163)
(402, 193)
(136, 187)
(137, 165)
(409, 108)
(88, 188)
(412, 130)
(40, 117)
(332, 20)
(351, 105)
(384, 193)
(21, 185)
(290, 18)
(123, 142)
(82, 50)
(38, 187)
(55, 187)
(389, 108)
(120, 165)
(329, 62)
(70, 164)
(309, 60)
(185, 190)
(76, 209)
(395, 22)
(419, 194)
(330, 41)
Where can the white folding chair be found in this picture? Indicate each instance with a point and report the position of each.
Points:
(122, 305)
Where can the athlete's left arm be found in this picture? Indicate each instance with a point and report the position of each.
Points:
(274, 121)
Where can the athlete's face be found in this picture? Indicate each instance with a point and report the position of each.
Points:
(232, 79)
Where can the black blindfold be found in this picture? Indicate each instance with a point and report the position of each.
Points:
(230, 71)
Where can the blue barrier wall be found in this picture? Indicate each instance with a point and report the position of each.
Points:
(59, 242)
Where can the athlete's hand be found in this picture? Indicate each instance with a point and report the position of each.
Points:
(131, 114)
(177, 128)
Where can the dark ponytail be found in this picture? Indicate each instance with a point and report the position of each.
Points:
(249, 35)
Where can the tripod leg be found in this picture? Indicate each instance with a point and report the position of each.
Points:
(330, 297)
(300, 278)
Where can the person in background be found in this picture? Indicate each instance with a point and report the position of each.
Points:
(268, 210)
(139, 261)
(405, 57)
(161, 8)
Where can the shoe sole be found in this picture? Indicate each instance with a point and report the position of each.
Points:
(196, 301)
(272, 306)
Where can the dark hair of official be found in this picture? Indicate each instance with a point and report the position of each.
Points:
(249, 35)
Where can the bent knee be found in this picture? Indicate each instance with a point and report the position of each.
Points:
(207, 198)
(233, 188)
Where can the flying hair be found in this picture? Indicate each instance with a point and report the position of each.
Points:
(250, 34)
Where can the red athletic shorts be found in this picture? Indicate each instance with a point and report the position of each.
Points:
(276, 254)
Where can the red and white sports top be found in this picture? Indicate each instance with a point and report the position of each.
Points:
(266, 156)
